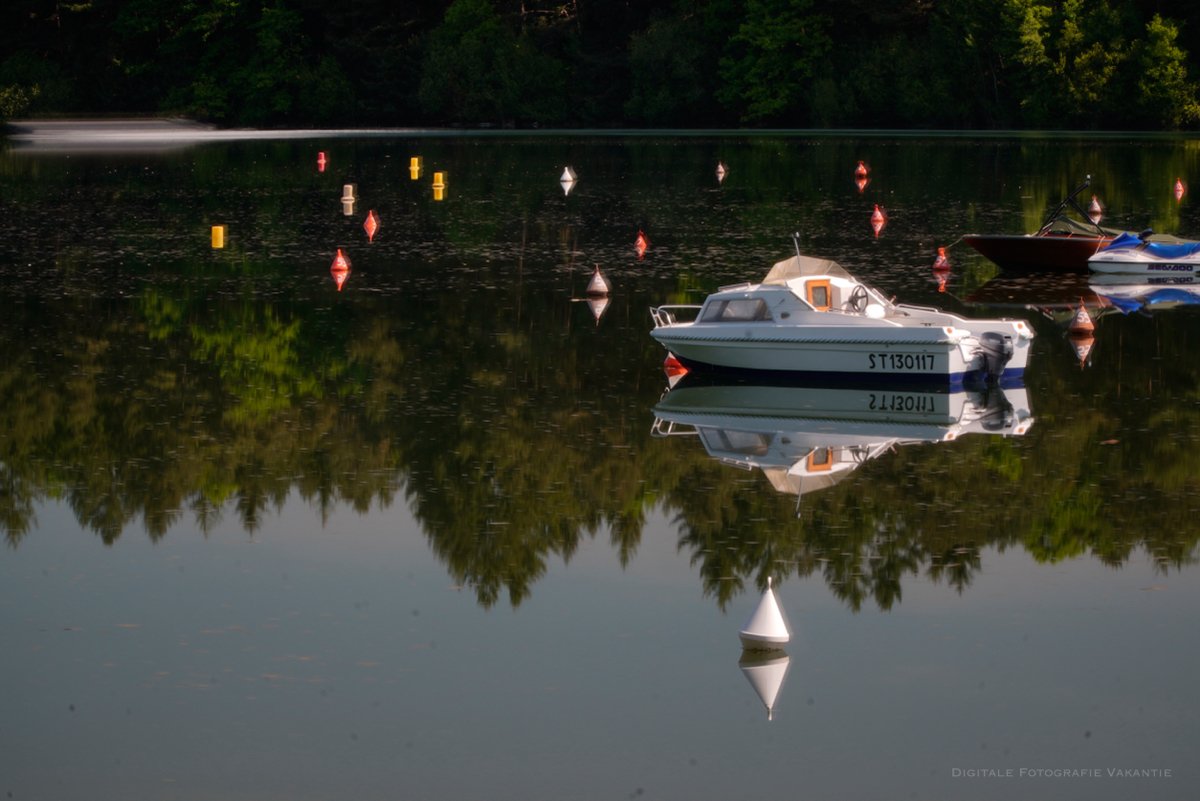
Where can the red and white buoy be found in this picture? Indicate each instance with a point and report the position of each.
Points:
(941, 262)
(1180, 190)
(598, 285)
(1082, 322)
(340, 269)
(340, 262)
(861, 170)
(641, 245)
(371, 226)
(721, 171)
(878, 220)
(672, 367)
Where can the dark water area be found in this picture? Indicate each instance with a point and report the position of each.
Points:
(420, 536)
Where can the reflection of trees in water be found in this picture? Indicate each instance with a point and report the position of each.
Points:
(514, 427)
(512, 449)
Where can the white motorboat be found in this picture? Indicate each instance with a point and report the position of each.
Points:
(811, 317)
(807, 438)
(1137, 254)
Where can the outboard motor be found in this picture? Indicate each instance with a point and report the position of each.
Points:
(997, 352)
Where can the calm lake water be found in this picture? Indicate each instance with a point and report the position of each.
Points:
(416, 538)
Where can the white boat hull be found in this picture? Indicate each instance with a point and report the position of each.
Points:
(809, 317)
(907, 360)
(1143, 267)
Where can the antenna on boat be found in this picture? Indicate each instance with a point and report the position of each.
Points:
(796, 242)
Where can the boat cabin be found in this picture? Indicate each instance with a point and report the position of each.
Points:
(793, 289)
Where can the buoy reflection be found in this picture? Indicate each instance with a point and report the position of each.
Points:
(340, 269)
(766, 672)
(641, 245)
(371, 225)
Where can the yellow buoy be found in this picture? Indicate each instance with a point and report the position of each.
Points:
(415, 166)
(218, 236)
(439, 186)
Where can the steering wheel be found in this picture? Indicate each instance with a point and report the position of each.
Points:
(858, 300)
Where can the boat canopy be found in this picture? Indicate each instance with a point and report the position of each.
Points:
(804, 267)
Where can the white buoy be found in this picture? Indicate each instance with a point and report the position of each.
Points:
(568, 180)
(765, 629)
(766, 673)
(721, 171)
(598, 286)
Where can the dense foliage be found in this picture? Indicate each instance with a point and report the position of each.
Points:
(1045, 64)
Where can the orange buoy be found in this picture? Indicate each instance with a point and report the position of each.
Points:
(1082, 322)
(941, 262)
(878, 220)
(641, 245)
(672, 367)
(321, 161)
(861, 170)
(1180, 190)
(371, 225)
(341, 264)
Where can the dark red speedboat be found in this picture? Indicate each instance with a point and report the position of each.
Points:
(1061, 244)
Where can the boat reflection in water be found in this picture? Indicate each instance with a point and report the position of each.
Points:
(1132, 293)
(808, 438)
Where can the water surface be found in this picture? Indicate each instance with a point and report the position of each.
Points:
(414, 538)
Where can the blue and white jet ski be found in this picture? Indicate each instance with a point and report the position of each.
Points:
(1135, 254)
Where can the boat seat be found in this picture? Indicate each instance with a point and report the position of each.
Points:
(1167, 250)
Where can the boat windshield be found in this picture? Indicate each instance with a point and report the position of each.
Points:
(747, 310)
(805, 267)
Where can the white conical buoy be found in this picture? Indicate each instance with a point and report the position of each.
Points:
(765, 674)
(765, 629)
(598, 286)
(568, 175)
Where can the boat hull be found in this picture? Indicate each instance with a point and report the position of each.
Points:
(1055, 253)
(929, 363)
(1144, 267)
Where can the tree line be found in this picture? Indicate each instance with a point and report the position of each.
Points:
(935, 64)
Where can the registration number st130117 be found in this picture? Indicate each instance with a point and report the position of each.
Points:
(901, 361)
